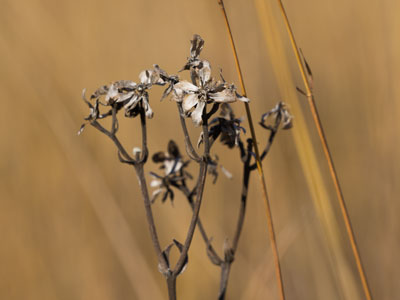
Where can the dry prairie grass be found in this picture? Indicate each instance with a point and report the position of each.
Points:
(71, 218)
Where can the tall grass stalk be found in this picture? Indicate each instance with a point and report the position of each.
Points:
(307, 155)
(328, 156)
(271, 230)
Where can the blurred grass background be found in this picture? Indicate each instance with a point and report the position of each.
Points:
(71, 218)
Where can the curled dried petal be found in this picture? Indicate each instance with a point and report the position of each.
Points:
(204, 72)
(155, 183)
(148, 111)
(226, 172)
(145, 77)
(159, 157)
(287, 120)
(101, 91)
(173, 149)
(197, 114)
(81, 128)
(200, 140)
(183, 88)
(112, 95)
(125, 85)
(197, 45)
(280, 115)
(241, 98)
(132, 102)
(227, 95)
(172, 166)
(189, 102)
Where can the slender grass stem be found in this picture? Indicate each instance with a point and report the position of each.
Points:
(328, 156)
(258, 162)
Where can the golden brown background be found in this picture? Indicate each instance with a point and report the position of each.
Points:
(72, 221)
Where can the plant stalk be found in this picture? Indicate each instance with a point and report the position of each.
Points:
(199, 194)
(328, 156)
(271, 230)
(171, 283)
(149, 215)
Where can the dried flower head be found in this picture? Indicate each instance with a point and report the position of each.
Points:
(166, 79)
(203, 89)
(226, 126)
(194, 62)
(272, 119)
(94, 112)
(129, 95)
(174, 172)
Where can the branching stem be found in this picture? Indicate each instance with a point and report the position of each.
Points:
(149, 216)
(189, 146)
(199, 196)
(138, 165)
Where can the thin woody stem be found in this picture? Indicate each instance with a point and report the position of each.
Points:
(142, 183)
(189, 147)
(225, 271)
(149, 216)
(202, 175)
(328, 156)
(114, 126)
(143, 186)
(202, 230)
(113, 137)
(163, 264)
(272, 133)
(243, 198)
(171, 284)
(145, 151)
(247, 169)
(138, 165)
(199, 196)
(226, 265)
(271, 230)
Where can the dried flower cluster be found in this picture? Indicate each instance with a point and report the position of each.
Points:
(198, 100)
(131, 96)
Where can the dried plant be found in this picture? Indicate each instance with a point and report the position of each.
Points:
(198, 100)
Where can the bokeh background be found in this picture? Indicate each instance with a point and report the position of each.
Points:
(72, 222)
